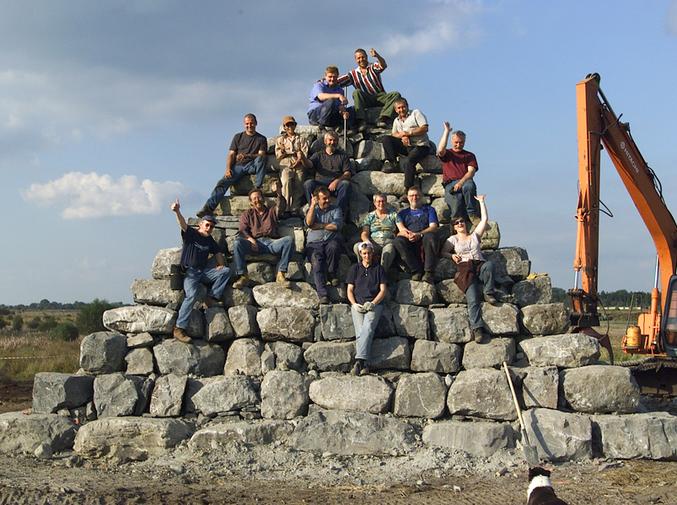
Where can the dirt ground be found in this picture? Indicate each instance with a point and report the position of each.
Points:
(254, 476)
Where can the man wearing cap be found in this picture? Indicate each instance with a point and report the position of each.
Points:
(328, 103)
(366, 291)
(291, 151)
(259, 235)
(246, 156)
(197, 247)
(458, 168)
(332, 169)
(369, 90)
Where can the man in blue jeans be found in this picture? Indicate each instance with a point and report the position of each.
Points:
(198, 245)
(328, 103)
(259, 235)
(246, 156)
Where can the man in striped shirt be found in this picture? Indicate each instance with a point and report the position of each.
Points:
(369, 90)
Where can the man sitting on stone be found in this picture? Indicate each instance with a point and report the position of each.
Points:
(197, 246)
(379, 229)
(323, 242)
(409, 140)
(366, 292)
(291, 151)
(328, 103)
(332, 170)
(259, 235)
(247, 155)
(369, 90)
(458, 168)
(417, 237)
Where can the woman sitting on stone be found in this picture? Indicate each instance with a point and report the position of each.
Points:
(366, 291)
(471, 268)
(379, 229)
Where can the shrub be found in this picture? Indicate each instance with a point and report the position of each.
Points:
(90, 316)
(64, 331)
(3, 323)
(17, 323)
(33, 323)
(48, 324)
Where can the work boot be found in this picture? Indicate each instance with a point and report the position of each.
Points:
(429, 278)
(388, 167)
(334, 282)
(281, 279)
(365, 368)
(241, 282)
(490, 299)
(357, 367)
(180, 335)
(204, 211)
(416, 276)
(479, 335)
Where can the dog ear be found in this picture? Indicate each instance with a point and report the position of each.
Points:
(537, 470)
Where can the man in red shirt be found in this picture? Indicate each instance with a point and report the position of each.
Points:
(458, 168)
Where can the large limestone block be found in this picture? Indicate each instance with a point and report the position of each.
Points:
(235, 297)
(501, 319)
(540, 387)
(479, 439)
(369, 183)
(546, 319)
(559, 436)
(490, 354)
(330, 356)
(163, 261)
(600, 389)
(300, 295)
(420, 395)
(352, 433)
(287, 356)
(431, 164)
(243, 320)
(198, 358)
(55, 391)
(442, 209)
(193, 386)
(21, 433)
(140, 318)
(119, 395)
(219, 328)
(196, 324)
(130, 438)
(532, 291)
(410, 320)
(510, 261)
(216, 437)
(167, 396)
(431, 185)
(103, 352)
(139, 362)
(286, 323)
(155, 292)
(445, 270)
(367, 393)
(287, 228)
(441, 357)
(284, 395)
(481, 392)
(358, 207)
(236, 205)
(140, 340)
(244, 357)
(370, 149)
(336, 322)
(449, 292)
(392, 353)
(260, 273)
(568, 350)
(415, 293)
(450, 325)
(226, 394)
(652, 435)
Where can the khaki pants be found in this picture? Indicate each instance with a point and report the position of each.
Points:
(291, 180)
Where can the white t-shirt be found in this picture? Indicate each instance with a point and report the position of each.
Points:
(413, 120)
(467, 249)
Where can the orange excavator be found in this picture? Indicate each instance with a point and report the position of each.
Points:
(655, 334)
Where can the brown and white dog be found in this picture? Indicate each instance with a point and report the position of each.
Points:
(540, 490)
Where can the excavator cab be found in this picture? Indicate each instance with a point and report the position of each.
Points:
(669, 320)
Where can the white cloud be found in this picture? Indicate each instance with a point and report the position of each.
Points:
(86, 196)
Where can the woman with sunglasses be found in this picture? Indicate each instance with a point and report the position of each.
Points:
(463, 248)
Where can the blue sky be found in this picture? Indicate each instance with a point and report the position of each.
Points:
(108, 110)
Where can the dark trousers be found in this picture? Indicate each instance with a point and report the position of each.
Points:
(410, 252)
(328, 114)
(324, 257)
(409, 156)
(364, 100)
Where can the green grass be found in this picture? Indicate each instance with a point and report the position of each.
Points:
(46, 355)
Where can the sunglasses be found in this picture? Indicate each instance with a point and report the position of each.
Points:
(459, 221)
(289, 124)
(209, 224)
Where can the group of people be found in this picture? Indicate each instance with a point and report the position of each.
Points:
(410, 234)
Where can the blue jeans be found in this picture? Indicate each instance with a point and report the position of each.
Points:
(324, 257)
(365, 327)
(281, 247)
(327, 114)
(216, 278)
(257, 166)
(473, 294)
(462, 202)
(342, 193)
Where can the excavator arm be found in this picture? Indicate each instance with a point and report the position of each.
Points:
(598, 125)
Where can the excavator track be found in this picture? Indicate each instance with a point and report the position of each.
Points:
(656, 376)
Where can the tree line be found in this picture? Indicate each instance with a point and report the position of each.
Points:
(618, 298)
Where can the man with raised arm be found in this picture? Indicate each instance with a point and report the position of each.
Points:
(323, 244)
(259, 235)
(458, 168)
(369, 90)
(332, 169)
(246, 156)
(328, 103)
(198, 245)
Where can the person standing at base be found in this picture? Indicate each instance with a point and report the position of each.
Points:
(198, 245)
(366, 292)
